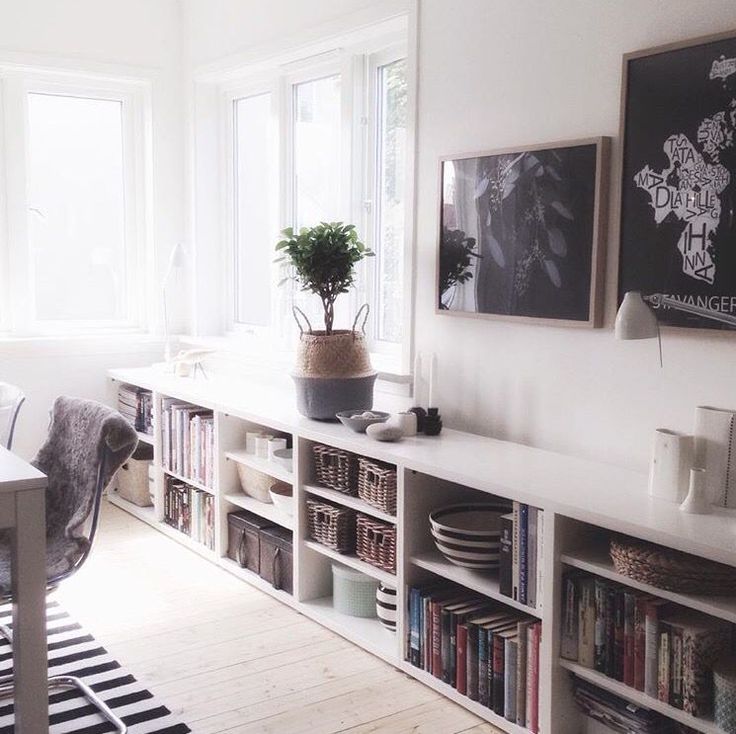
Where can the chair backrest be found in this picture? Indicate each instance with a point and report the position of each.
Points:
(87, 443)
(11, 398)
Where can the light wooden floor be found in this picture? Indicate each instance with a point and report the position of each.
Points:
(227, 658)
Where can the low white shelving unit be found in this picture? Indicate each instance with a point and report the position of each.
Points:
(583, 502)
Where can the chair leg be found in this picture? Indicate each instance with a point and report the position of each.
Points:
(65, 682)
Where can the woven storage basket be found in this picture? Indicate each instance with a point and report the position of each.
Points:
(377, 484)
(331, 525)
(376, 543)
(336, 469)
(353, 592)
(255, 483)
(670, 569)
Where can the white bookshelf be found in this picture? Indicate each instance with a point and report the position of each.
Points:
(583, 501)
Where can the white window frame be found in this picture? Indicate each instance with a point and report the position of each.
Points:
(17, 277)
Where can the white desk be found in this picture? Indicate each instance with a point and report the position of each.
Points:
(23, 508)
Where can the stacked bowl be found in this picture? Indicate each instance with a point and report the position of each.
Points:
(469, 535)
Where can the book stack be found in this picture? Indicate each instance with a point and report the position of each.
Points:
(522, 551)
(191, 511)
(136, 405)
(481, 648)
(188, 441)
(642, 641)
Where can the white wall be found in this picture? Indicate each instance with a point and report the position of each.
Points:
(495, 74)
(144, 35)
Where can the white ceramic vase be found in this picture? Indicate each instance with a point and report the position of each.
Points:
(697, 501)
(669, 471)
(715, 451)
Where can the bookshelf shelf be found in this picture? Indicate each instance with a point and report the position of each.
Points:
(482, 582)
(263, 509)
(190, 482)
(346, 500)
(262, 465)
(353, 562)
(597, 561)
(641, 699)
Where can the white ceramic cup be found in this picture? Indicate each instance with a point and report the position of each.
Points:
(407, 422)
(274, 445)
(250, 441)
(262, 445)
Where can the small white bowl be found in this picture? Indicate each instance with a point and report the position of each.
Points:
(282, 496)
(284, 458)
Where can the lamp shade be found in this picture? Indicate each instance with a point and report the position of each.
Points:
(635, 319)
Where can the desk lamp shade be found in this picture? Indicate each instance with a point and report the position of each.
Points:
(635, 319)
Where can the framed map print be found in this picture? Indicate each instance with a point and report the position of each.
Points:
(678, 203)
(521, 233)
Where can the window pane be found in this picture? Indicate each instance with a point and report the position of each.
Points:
(254, 236)
(316, 151)
(76, 218)
(389, 223)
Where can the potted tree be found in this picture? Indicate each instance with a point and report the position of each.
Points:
(333, 369)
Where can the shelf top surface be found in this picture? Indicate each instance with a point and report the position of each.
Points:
(595, 492)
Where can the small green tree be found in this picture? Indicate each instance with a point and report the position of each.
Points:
(323, 260)
(456, 251)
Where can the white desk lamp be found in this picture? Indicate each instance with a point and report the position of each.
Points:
(176, 260)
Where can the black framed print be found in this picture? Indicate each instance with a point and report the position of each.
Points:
(677, 227)
(521, 233)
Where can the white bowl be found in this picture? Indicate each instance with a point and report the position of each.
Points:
(284, 458)
(282, 496)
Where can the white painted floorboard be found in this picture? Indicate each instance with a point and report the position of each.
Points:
(225, 657)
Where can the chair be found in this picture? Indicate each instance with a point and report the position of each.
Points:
(87, 443)
(11, 398)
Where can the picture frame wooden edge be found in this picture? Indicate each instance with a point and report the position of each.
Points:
(598, 245)
(621, 152)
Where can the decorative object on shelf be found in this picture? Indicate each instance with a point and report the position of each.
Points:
(669, 468)
(407, 422)
(255, 483)
(377, 484)
(677, 179)
(421, 415)
(284, 458)
(359, 420)
(376, 542)
(528, 223)
(188, 362)
(282, 496)
(433, 422)
(262, 445)
(697, 502)
(432, 378)
(386, 606)
(715, 451)
(275, 444)
(331, 525)
(670, 569)
(335, 468)
(353, 593)
(132, 479)
(333, 370)
(384, 432)
(469, 535)
(277, 558)
(724, 695)
(250, 441)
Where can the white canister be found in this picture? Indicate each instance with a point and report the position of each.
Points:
(672, 459)
(250, 441)
(697, 501)
(262, 445)
(407, 422)
(274, 445)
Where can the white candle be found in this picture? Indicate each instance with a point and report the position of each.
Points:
(417, 376)
(432, 376)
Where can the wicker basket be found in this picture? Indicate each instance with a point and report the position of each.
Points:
(376, 543)
(255, 483)
(331, 525)
(336, 469)
(670, 569)
(377, 485)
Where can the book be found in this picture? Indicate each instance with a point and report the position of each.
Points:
(523, 552)
(640, 607)
(498, 653)
(676, 664)
(521, 656)
(569, 636)
(511, 646)
(478, 679)
(531, 593)
(610, 621)
(663, 664)
(505, 555)
(532, 694)
(628, 662)
(651, 646)
(540, 555)
(515, 553)
(601, 614)
(462, 658)
(586, 621)
(619, 628)
(489, 630)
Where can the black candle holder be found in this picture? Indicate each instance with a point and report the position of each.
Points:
(421, 415)
(432, 422)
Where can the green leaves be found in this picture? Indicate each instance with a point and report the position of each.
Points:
(322, 259)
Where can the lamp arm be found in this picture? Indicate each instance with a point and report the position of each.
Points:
(659, 299)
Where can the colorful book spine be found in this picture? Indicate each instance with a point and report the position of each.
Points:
(676, 663)
(483, 680)
(471, 674)
(509, 684)
(619, 626)
(523, 552)
(640, 613)
(540, 556)
(505, 559)
(532, 721)
(498, 674)
(651, 660)
(629, 606)
(531, 593)
(663, 664)
(586, 622)
(515, 552)
(521, 657)
(569, 640)
(601, 614)
(462, 653)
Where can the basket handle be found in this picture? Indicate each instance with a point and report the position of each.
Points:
(240, 553)
(298, 312)
(365, 318)
(275, 568)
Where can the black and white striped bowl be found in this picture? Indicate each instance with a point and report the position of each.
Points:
(469, 535)
(386, 606)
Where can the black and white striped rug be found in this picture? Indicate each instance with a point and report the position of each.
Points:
(74, 652)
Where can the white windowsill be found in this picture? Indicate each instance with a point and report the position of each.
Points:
(79, 344)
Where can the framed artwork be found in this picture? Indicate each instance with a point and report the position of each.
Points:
(521, 233)
(678, 209)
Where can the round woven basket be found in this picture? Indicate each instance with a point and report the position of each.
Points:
(670, 569)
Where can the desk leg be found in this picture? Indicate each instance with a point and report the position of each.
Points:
(30, 663)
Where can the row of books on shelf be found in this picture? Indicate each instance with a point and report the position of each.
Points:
(191, 511)
(522, 551)
(481, 648)
(188, 441)
(650, 644)
(136, 405)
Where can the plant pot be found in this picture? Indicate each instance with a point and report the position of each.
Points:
(322, 397)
